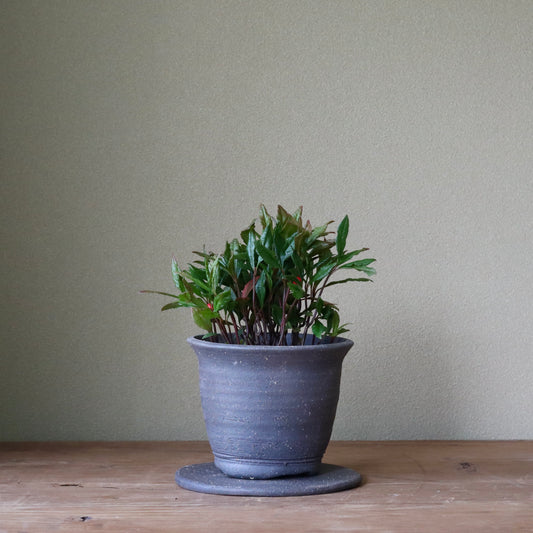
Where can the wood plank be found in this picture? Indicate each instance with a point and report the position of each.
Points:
(408, 486)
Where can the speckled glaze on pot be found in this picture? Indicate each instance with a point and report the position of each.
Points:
(269, 410)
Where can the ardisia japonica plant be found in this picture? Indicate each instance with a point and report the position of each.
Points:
(270, 283)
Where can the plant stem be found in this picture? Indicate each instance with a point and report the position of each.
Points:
(236, 328)
(284, 315)
(316, 297)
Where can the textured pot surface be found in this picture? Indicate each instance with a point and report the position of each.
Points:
(269, 410)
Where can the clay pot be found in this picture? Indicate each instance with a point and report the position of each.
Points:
(269, 410)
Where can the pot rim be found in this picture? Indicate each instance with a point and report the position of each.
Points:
(224, 346)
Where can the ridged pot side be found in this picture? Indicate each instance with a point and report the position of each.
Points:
(269, 410)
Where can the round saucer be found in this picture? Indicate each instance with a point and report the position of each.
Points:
(206, 477)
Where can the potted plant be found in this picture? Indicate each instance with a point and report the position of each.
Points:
(271, 356)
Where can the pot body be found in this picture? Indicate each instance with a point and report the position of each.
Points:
(269, 410)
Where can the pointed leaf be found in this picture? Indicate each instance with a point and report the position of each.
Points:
(176, 277)
(345, 281)
(267, 255)
(319, 231)
(289, 250)
(264, 216)
(333, 322)
(318, 329)
(323, 271)
(342, 258)
(172, 305)
(222, 300)
(202, 318)
(245, 234)
(342, 233)
(198, 278)
(296, 290)
(277, 314)
(251, 250)
(161, 293)
(362, 266)
(260, 288)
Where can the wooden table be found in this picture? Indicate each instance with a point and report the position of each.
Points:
(127, 487)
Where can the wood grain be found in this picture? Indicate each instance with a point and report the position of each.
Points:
(434, 486)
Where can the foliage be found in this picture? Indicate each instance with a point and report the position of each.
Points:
(270, 282)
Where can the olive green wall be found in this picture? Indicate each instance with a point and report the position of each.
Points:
(134, 129)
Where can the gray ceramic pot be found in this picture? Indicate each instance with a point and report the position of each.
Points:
(269, 410)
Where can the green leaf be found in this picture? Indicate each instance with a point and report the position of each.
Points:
(342, 258)
(362, 266)
(260, 288)
(298, 264)
(245, 234)
(190, 298)
(222, 300)
(267, 238)
(296, 290)
(213, 273)
(333, 322)
(198, 277)
(161, 293)
(176, 277)
(369, 271)
(172, 305)
(342, 233)
(319, 231)
(202, 318)
(345, 281)
(318, 329)
(323, 271)
(277, 314)
(264, 217)
(203, 254)
(267, 255)
(360, 262)
(251, 250)
(340, 330)
(289, 250)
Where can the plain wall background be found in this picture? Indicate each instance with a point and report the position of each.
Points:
(132, 130)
